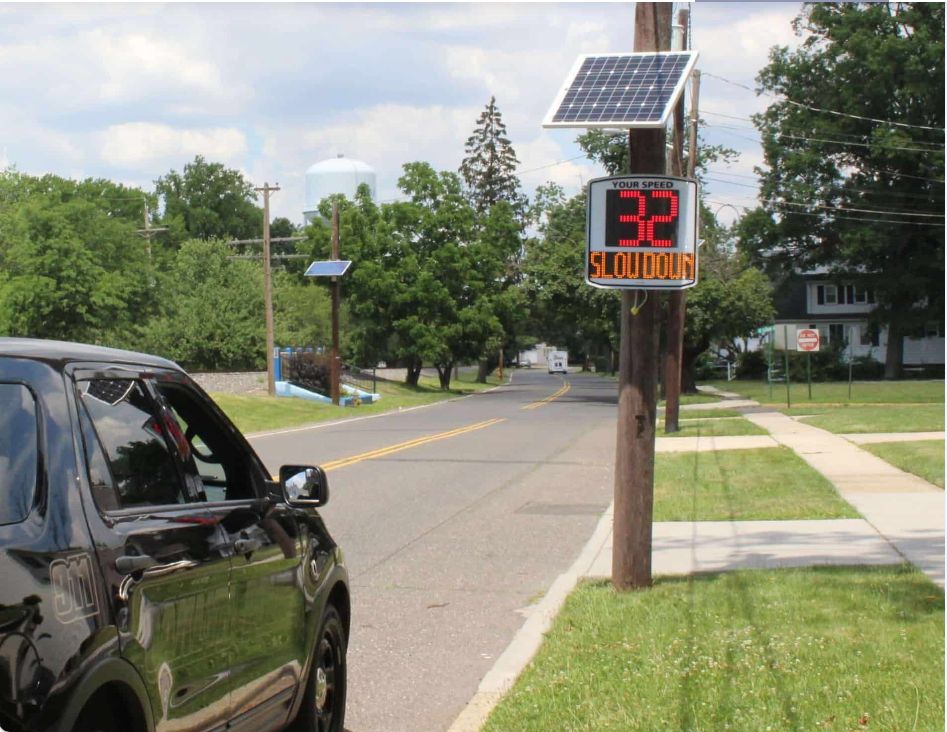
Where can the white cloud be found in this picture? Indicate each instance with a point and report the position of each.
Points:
(144, 143)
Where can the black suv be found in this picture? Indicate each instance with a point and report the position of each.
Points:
(153, 576)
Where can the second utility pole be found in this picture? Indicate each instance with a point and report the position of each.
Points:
(268, 287)
(334, 374)
(638, 360)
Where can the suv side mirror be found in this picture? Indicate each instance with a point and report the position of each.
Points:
(304, 485)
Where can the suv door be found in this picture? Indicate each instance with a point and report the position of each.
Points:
(161, 551)
(268, 637)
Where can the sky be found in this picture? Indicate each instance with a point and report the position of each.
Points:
(130, 91)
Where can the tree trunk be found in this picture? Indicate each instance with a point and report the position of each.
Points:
(444, 374)
(689, 370)
(483, 370)
(414, 373)
(894, 351)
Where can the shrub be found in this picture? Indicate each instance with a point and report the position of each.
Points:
(751, 365)
(310, 371)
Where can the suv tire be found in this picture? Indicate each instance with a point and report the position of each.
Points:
(323, 707)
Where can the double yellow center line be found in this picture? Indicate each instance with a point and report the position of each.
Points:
(384, 451)
(535, 405)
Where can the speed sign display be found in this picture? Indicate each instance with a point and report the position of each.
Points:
(642, 232)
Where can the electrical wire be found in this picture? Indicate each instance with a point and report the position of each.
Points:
(899, 222)
(814, 139)
(826, 111)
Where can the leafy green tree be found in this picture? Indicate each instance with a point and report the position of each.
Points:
(210, 310)
(854, 151)
(72, 266)
(563, 308)
(426, 285)
(208, 201)
(489, 165)
(731, 300)
(282, 227)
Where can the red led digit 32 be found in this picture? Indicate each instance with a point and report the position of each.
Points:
(635, 218)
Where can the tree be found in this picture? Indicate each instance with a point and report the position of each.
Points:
(426, 285)
(209, 201)
(731, 300)
(854, 152)
(72, 266)
(489, 166)
(210, 310)
(563, 308)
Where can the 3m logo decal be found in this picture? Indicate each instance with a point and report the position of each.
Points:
(73, 592)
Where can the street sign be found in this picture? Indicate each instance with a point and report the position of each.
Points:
(807, 339)
(642, 232)
(329, 268)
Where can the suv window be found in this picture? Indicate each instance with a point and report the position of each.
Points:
(224, 469)
(19, 452)
(130, 460)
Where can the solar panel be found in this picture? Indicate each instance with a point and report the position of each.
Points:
(622, 90)
(329, 268)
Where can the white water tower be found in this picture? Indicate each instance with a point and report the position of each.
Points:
(335, 175)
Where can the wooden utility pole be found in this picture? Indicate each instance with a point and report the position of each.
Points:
(677, 300)
(334, 370)
(638, 360)
(268, 287)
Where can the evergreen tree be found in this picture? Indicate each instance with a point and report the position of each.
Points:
(489, 168)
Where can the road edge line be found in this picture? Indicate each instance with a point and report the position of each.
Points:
(521, 650)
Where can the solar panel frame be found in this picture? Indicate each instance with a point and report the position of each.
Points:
(328, 268)
(616, 122)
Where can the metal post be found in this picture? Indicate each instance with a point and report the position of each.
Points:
(638, 365)
(809, 372)
(786, 361)
(851, 358)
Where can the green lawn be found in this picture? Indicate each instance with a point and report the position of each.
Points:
(856, 418)
(686, 414)
(259, 413)
(863, 392)
(924, 458)
(825, 649)
(731, 426)
(770, 483)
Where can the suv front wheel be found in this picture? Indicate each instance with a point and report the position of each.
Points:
(323, 707)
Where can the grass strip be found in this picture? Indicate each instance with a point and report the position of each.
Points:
(261, 412)
(924, 458)
(866, 419)
(829, 649)
(730, 427)
(836, 392)
(685, 414)
(770, 483)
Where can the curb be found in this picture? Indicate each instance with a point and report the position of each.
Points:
(510, 664)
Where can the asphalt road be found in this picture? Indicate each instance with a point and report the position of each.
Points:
(455, 518)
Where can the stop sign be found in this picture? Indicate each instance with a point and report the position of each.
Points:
(807, 339)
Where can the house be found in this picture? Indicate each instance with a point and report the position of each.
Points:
(841, 312)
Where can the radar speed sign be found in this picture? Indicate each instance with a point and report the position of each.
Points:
(642, 232)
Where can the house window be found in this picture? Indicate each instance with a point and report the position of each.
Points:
(849, 294)
(831, 295)
(861, 296)
(837, 333)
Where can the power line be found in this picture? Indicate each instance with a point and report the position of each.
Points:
(827, 111)
(899, 222)
(816, 139)
(890, 172)
(899, 212)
